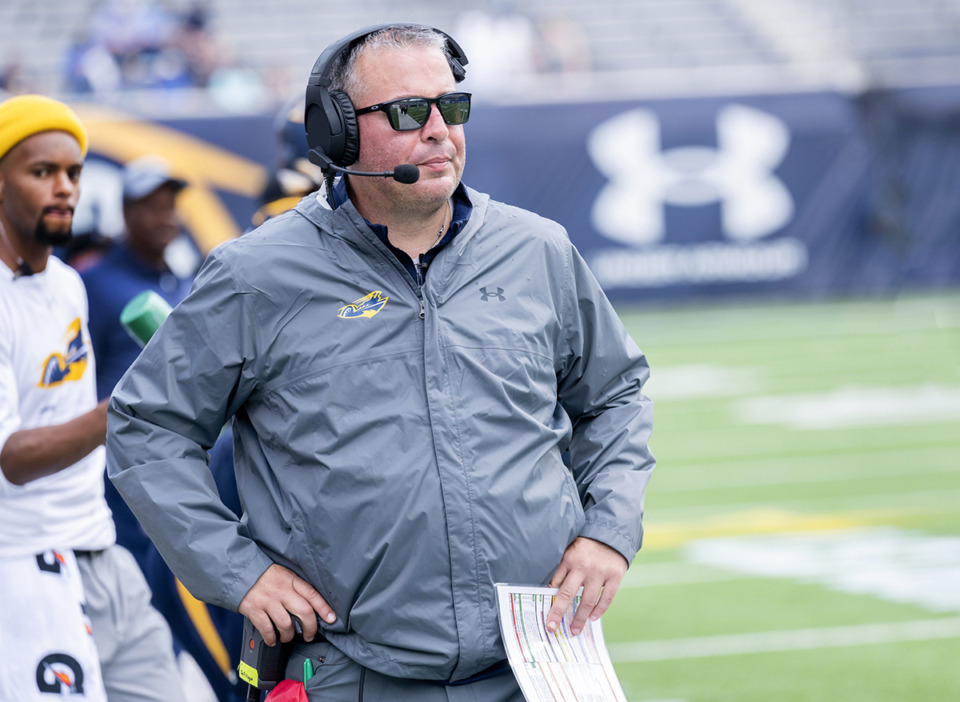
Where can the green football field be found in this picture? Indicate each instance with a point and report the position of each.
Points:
(803, 524)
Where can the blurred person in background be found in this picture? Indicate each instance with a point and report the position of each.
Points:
(135, 263)
(76, 615)
(143, 44)
(392, 470)
(136, 35)
(200, 48)
(132, 265)
(293, 175)
(501, 41)
(562, 46)
(14, 78)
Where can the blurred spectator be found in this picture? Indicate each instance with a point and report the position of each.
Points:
(203, 53)
(90, 67)
(14, 79)
(130, 27)
(143, 44)
(130, 266)
(134, 264)
(293, 174)
(501, 42)
(280, 78)
(504, 43)
(562, 46)
(137, 34)
(237, 88)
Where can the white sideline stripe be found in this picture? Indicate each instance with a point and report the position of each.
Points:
(854, 406)
(770, 476)
(647, 577)
(791, 640)
(905, 502)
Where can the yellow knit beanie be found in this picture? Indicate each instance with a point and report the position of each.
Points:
(26, 115)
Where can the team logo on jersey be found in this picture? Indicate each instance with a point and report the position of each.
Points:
(60, 367)
(60, 674)
(366, 306)
(50, 561)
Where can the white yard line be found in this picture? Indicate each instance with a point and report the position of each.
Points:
(897, 502)
(797, 470)
(907, 567)
(789, 640)
(666, 574)
(854, 406)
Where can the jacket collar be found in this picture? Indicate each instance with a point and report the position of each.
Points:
(345, 218)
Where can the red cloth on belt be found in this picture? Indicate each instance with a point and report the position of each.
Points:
(288, 691)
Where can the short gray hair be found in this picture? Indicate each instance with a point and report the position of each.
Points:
(343, 74)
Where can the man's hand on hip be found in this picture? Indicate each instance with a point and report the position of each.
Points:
(278, 594)
(598, 569)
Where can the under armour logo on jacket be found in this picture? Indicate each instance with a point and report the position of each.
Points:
(739, 174)
(498, 295)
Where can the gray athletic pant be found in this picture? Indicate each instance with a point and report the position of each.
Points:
(133, 639)
(337, 679)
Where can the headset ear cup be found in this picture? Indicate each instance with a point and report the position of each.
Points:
(351, 129)
(313, 118)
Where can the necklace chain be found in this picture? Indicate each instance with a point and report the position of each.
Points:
(443, 225)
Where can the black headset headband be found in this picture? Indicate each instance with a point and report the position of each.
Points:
(323, 64)
(333, 134)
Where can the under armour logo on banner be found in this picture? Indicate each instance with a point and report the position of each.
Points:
(498, 295)
(738, 174)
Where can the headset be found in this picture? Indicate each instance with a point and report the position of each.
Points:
(333, 134)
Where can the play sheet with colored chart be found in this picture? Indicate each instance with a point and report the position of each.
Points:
(554, 667)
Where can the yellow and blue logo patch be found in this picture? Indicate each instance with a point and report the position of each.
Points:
(60, 368)
(366, 306)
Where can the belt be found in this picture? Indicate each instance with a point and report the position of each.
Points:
(496, 669)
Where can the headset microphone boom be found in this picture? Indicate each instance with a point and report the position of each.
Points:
(404, 173)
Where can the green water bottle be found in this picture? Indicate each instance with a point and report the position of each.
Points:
(143, 315)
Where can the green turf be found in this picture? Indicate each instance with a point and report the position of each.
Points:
(723, 472)
(912, 671)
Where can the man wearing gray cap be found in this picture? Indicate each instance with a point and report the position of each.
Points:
(136, 263)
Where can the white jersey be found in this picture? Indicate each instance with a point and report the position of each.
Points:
(47, 377)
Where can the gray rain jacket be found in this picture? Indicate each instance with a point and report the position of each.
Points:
(399, 448)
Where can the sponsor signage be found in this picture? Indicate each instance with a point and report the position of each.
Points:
(795, 195)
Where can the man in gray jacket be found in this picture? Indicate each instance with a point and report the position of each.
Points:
(405, 365)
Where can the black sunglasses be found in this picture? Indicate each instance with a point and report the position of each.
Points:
(407, 114)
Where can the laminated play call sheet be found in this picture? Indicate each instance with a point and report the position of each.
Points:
(557, 667)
